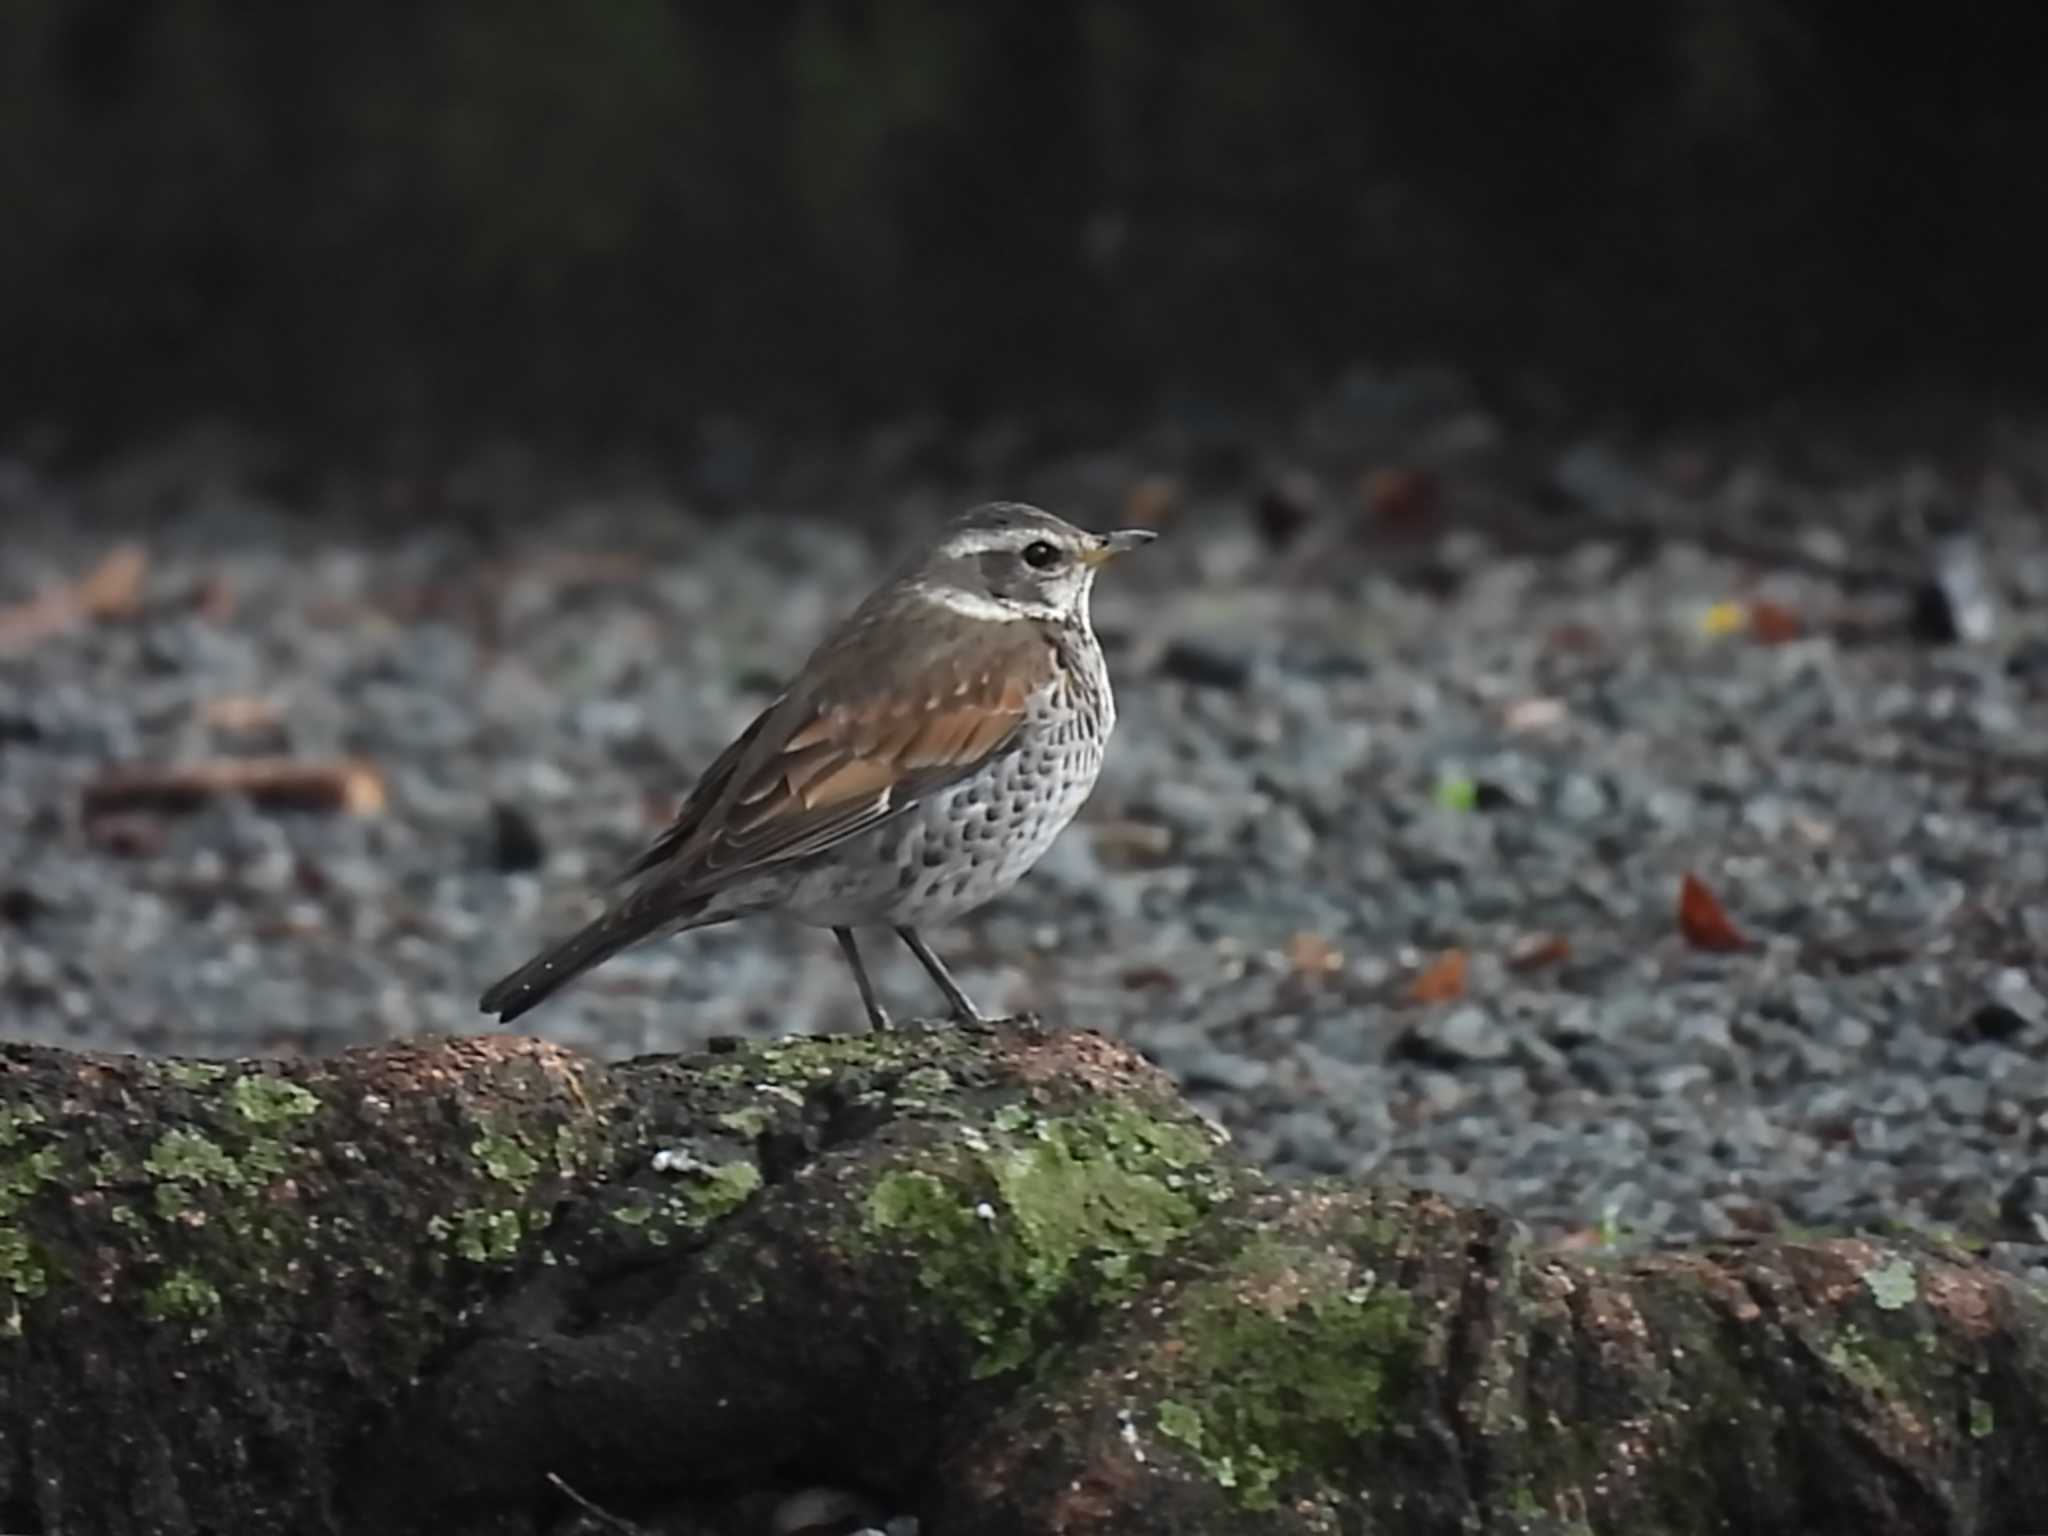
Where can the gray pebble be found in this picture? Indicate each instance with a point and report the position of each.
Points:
(1465, 1034)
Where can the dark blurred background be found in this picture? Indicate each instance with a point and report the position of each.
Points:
(596, 223)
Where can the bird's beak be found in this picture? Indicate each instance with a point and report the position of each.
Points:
(1110, 545)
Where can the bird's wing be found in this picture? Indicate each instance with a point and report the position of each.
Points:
(702, 797)
(823, 765)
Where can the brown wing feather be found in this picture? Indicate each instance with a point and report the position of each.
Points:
(824, 764)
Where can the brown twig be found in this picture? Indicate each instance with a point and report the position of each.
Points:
(281, 783)
(112, 588)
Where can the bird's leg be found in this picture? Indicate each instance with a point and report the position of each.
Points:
(963, 1006)
(878, 1016)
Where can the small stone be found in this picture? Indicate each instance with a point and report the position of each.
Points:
(1306, 1138)
(1582, 799)
(2023, 1207)
(1442, 1092)
(1996, 1021)
(1284, 840)
(1600, 1068)
(1285, 506)
(1213, 1068)
(1961, 1098)
(516, 845)
(127, 835)
(2029, 660)
(1462, 1037)
(1203, 665)
(2014, 1005)
(1953, 603)
(20, 906)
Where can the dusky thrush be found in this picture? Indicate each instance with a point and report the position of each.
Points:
(925, 757)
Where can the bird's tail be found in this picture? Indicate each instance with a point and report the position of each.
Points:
(562, 962)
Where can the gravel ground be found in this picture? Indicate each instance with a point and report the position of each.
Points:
(1465, 708)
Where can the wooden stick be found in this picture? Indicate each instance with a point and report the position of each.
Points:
(282, 783)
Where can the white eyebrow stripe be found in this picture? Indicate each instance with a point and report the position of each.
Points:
(989, 541)
(973, 605)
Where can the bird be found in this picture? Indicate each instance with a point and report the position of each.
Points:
(920, 761)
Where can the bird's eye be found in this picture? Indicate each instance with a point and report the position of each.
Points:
(1041, 556)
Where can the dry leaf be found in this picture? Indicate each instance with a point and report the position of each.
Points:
(115, 586)
(1774, 623)
(1145, 977)
(1313, 955)
(112, 589)
(240, 712)
(1704, 921)
(1724, 619)
(1442, 980)
(1152, 501)
(1534, 951)
(1399, 497)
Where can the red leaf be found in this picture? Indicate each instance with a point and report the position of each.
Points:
(1704, 921)
(1537, 950)
(1773, 623)
(1442, 980)
(1400, 497)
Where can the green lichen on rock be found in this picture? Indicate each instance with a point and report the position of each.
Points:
(899, 1054)
(1845, 1352)
(504, 1158)
(15, 1123)
(700, 1194)
(485, 1234)
(194, 1074)
(193, 1158)
(1049, 1211)
(1893, 1286)
(1983, 1423)
(577, 1144)
(24, 1169)
(722, 1075)
(721, 1190)
(749, 1121)
(23, 1277)
(268, 1102)
(1882, 1364)
(481, 1234)
(184, 1295)
(214, 1198)
(1282, 1366)
(921, 1090)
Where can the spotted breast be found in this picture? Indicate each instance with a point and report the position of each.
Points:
(974, 840)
